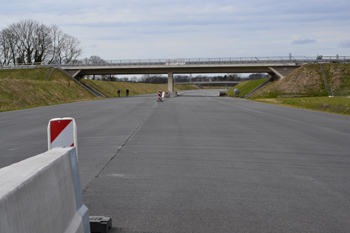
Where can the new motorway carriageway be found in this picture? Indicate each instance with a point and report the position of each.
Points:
(200, 163)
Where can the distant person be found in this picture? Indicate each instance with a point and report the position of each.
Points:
(127, 92)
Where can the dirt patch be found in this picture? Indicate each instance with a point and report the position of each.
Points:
(338, 109)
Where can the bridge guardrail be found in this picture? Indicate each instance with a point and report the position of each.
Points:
(194, 61)
(229, 60)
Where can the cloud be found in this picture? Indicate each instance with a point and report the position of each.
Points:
(196, 28)
(344, 44)
(303, 41)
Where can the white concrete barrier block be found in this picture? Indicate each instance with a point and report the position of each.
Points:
(173, 94)
(41, 194)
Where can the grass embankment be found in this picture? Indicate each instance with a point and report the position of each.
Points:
(214, 87)
(110, 88)
(246, 87)
(338, 105)
(26, 88)
(307, 85)
(308, 81)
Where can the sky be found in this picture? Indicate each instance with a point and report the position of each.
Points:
(164, 29)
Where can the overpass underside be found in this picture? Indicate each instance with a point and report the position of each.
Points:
(276, 71)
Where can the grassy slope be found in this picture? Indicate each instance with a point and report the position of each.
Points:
(214, 87)
(308, 81)
(110, 88)
(27, 88)
(337, 105)
(246, 87)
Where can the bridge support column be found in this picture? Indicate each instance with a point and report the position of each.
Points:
(170, 82)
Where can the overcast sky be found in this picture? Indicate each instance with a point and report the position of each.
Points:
(142, 29)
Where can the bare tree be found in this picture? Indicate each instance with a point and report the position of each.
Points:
(94, 60)
(153, 78)
(4, 49)
(58, 38)
(182, 78)
(133, 79)
(70, 49)
(43, 43)
(29, 41)
(8, 41)
(25, 32)
(257, 76)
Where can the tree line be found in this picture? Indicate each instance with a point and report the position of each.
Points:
(29, 41)
(161, 79)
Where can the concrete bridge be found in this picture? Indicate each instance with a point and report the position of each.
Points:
(276, 67)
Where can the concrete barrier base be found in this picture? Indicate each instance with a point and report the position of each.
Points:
(100, 224)
(173, 94)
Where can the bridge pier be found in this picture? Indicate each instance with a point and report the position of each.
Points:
(170, 82)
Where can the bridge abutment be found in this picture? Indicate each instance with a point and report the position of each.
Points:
(281, 72)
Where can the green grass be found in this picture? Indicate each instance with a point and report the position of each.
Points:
(27, 88)
(309, 81)
(338, 105)
(213, 87)
(39, 74)
(110, 88)
(185, 87)
(246, 87)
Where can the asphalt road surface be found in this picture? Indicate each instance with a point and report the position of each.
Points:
(200, 163)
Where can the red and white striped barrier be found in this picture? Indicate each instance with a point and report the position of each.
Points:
(167, 94)
(159, 96)
(62, 132)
